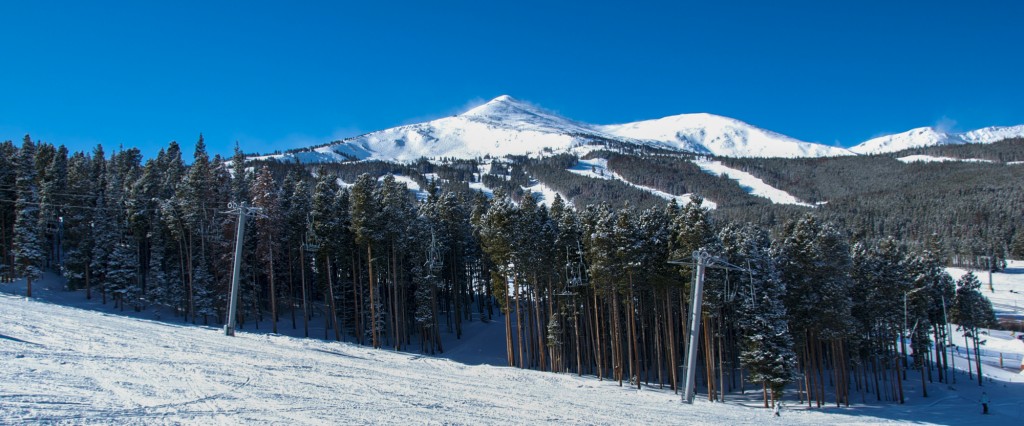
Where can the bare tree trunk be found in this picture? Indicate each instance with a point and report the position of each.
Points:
(519, 323)
(330, 293)
(302, 273)
(508, 327)
(373, 305)
(597, 339)
(273, 291)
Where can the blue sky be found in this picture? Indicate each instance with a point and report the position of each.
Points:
(278, 75)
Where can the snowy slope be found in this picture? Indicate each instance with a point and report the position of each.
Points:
(1007, 291)
(933, 159)
(504, 126)
(65, 365)
(722, 136)
(929, 136)
(597, 168)
(507, 126)
(750, 183)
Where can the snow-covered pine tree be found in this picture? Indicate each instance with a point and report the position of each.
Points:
(265, 196)
(78, 221)
(766, 348)
(972, 312)
(498, 240)
(53, 200)
(28, 247)
(8, 208)
(366, 226)
(813, 259)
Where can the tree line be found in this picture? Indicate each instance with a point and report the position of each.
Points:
(581, 288)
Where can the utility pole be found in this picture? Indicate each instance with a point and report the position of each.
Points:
(243, 211)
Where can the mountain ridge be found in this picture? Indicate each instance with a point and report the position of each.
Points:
(930, 136)
(507, 126)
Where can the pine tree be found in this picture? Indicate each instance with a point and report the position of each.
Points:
(78, 221)
(365, 214)
(265, 196)
(972, 311)
(813, 259)
(28, 245)
(767, 345)
(8, 207)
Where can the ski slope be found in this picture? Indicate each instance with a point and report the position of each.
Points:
(597, 168)
(934, 159)
(1007, 290)
(67, 365)
(750, 183)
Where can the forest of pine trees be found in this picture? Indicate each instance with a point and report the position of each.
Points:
(584, 289)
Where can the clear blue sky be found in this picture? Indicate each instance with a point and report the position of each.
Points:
(278, 75)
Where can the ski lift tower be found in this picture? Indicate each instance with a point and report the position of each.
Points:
(702, 260)
(243, 211)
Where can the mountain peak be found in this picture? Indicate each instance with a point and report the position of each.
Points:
(501, 105)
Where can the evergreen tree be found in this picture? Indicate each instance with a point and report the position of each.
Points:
(767, 345)
(8, 207)
(972, 311)
(28, 245)
(78, 222)
(813, 259)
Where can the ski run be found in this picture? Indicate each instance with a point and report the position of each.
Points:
(66, 360)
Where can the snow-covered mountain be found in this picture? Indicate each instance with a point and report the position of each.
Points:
(930, 136)
(722, 136)
(504, 126)
(507, 126)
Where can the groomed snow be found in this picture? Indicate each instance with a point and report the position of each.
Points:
(411, 184)
(934, 159)
(597, 168)
(1007, 291)
(544, 194)
(65, 365)
(752, 184)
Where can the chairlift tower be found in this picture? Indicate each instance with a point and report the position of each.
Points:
(243, 211)
(702, 260)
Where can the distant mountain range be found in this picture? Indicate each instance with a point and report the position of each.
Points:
(929, 136)
(507, 126)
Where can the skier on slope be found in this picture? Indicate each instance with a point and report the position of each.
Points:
(984, 403)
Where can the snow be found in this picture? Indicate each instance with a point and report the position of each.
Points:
(543, 194)
(62, 364)
(752, 184)
(930, 136)
(933, 159)
(411, 184)
(597, 168)
(722, 136)
(507, 126)
(479, 186)
(1007, 291)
